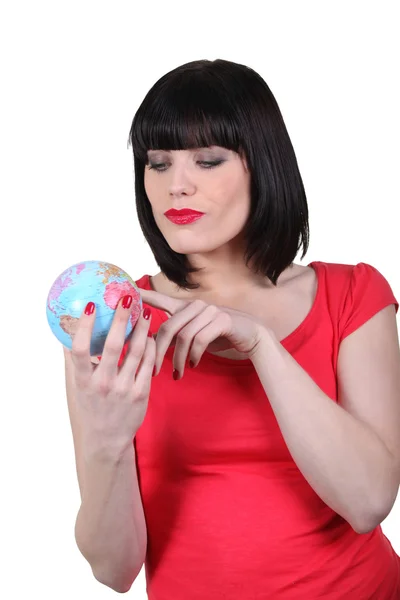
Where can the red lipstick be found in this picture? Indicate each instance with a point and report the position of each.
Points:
(183, 216)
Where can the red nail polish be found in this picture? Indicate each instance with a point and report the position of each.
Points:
(146, 313)
(154, 372)
(175, 375)
(126, 301)
(89, 308)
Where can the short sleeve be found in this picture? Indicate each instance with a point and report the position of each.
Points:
(368, 293)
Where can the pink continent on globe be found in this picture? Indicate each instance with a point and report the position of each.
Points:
(116, 290)
(60, 284)
(80, 267)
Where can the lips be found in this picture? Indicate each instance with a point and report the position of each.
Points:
(172, 212)
(183, 216)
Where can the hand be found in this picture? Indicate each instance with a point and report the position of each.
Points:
(111, 402)
(195, 326)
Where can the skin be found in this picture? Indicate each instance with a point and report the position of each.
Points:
(181, 179)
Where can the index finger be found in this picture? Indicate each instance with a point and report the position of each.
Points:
(158, 300)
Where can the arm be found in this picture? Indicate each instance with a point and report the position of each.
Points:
(349, 452)
(110, 528)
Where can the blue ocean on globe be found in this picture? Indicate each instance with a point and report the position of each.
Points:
(90, 281)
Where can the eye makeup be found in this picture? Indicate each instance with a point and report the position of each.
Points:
(157, 161)
(207, 165)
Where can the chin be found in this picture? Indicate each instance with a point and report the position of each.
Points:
(191, 246)
(194, 248)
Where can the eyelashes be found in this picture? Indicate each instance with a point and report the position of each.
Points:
(207, 165)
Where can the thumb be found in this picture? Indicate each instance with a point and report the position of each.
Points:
(67, 353)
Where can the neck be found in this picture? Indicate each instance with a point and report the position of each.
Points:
(227, 275)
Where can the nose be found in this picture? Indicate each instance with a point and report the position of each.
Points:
(180, 182)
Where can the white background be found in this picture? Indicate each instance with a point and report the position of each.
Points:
(72, 76)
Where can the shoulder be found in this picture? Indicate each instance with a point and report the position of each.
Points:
(343, 277)
(352, 293)
(338, 271)
(350, 274)
(359, 292)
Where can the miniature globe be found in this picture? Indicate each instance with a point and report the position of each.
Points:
(90, 281)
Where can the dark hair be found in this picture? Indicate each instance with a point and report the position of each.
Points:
(204, 103)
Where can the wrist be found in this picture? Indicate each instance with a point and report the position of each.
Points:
(268, 348)
(106, 451)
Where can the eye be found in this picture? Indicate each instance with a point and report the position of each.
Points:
(207, 165)
(156, 166)
(211, 164)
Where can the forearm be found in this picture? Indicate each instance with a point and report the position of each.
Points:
(110, 527)
(342, 459)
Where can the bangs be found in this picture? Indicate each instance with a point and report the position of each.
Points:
(191, 112)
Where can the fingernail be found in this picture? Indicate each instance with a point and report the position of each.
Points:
(89, 308)
(146, 313)
(175, 374)
(126, 301)
(154, 372)
(191, 364)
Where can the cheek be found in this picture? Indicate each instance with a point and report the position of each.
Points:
(233, 187)
(147, 186)
(151, 189)
(234, 197)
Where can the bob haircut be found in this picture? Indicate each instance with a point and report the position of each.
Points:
(204, 103)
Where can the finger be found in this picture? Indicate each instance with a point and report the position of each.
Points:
(144, 373)
(67, 355)
(169, 329)
(115, 340)
(216, 328)
(191, 332)
(161, 301)
(68, 359)
(136, 349)
(80, 353)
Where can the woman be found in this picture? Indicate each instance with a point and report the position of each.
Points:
(266, 469)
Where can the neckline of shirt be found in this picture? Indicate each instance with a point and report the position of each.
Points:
(286, 341)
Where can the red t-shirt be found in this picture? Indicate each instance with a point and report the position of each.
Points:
(229, 514)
